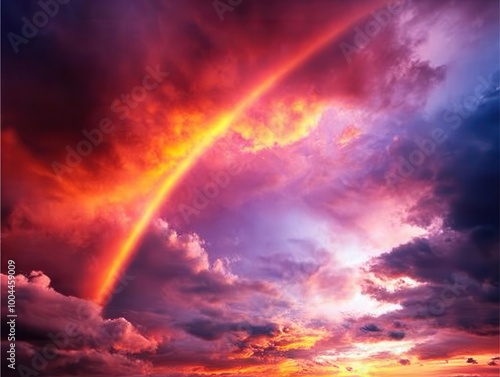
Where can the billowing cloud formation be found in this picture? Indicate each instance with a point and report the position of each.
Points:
(59, 334)
(345, 222)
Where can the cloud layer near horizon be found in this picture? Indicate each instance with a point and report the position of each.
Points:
(346, 224)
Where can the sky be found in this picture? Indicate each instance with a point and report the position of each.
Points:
(250, 188)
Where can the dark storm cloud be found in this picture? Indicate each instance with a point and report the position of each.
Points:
(397, 335)
(208, 330)
(494, 361)
(456, 294)
(371, 328)
(458, 265)
(57, 334)
(464, 179)
(186, 308)
(173, 267)
(89, 55)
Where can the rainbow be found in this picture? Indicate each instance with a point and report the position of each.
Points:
(220, 127)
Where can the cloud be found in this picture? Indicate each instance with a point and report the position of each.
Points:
(70, 333)
(457, 285)
(265, 280)
(494, 361)
(397, 335)
(371, 328)
(449, 344)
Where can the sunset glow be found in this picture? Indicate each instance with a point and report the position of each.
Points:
(250, 188)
